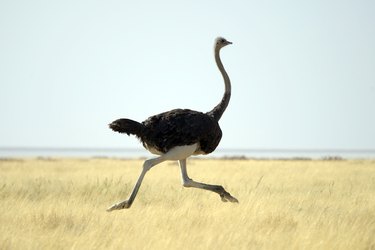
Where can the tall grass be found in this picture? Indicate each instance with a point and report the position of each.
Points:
(61, 203)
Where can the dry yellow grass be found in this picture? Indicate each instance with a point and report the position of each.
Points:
(61, 203)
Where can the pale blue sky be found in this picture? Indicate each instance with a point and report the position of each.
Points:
(303, 72)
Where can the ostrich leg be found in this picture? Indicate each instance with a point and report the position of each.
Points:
(147, 165)
(176, 153)
(187, 182)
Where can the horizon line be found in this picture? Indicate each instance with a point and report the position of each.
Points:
(72, 148)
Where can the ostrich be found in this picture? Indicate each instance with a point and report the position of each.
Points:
(178, 134)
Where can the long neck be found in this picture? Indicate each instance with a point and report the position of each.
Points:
(218, 111)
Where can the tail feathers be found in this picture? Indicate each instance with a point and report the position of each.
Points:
(127, 126)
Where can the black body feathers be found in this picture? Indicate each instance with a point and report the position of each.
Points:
(177, 127)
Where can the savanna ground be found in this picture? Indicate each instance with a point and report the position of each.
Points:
(61, 204)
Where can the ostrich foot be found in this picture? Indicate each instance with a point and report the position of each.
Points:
(225, 197)
(120, 205)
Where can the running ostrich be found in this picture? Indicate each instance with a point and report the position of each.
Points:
(178, 134)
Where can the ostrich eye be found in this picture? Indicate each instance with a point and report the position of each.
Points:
(223, 41)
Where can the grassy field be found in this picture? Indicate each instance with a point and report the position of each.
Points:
(61, 204)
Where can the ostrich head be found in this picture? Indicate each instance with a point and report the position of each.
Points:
(221, 42)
